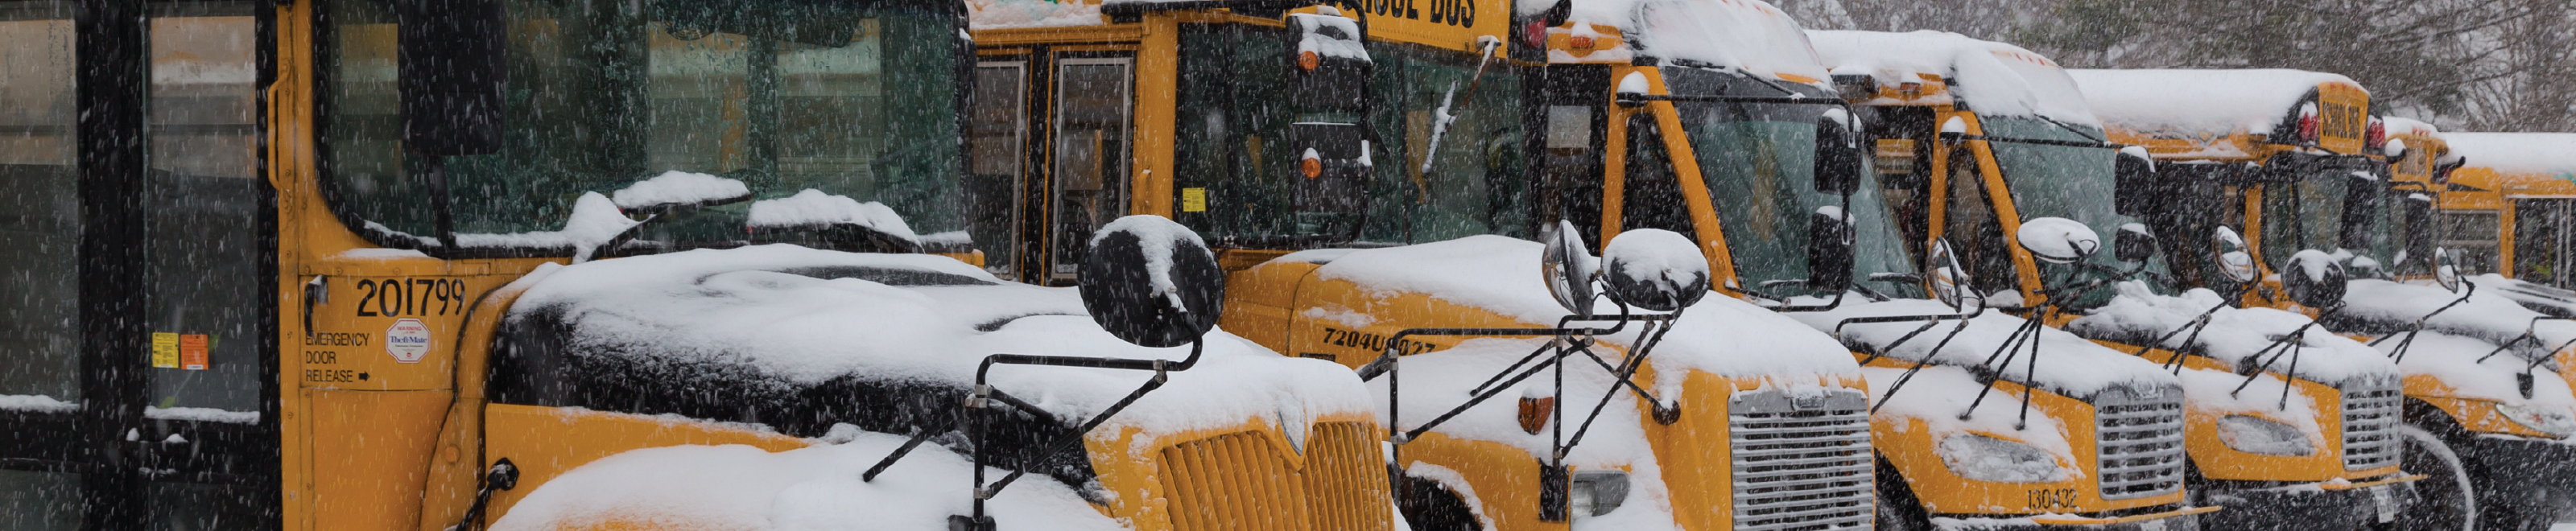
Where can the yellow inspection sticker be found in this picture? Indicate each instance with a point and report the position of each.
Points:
(165, 350)
(1193, 199)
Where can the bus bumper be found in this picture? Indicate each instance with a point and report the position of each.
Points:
(2184, 519)
(2341, 505)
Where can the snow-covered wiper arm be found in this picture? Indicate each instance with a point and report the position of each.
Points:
(2293, 345)
(2398, 354)
(2197, 325)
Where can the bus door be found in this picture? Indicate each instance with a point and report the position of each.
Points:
(1076, 142)
(2544, 233)
(1088, 147)
(137, 340)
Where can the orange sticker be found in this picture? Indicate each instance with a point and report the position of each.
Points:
(192, 352)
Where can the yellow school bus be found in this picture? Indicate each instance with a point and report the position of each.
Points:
(1470, 122)
(286, 296)
(2026, 146)
(2281, 158)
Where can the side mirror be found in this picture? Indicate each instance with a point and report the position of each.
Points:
(451, 71)
(2058, 240)
(1152, 282)
(2314, 279)
(2134, 243)
(1829, 249)
(1655, 269)
(1839, 159)
(1948, 280)
(2233, 260)
(2446, 268)
(2394, 150)
(678, 190)
(2418, 219)
(2442, 167)
(1568, 269)
(2133, 190)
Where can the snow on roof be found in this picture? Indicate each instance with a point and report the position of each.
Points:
(745, 488)
(2198, 102)
(2067, 364)
(790, 316)
(2400, 125)
(1002, 14)
(1719, 335)
(1747, 35)
(2542, 153)
(2233, 336)
(1993, 78)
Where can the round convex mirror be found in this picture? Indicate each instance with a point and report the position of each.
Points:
(2446, 268)
(1655, 269)
(2058, 240)
(2314, 279)
(1948, 280)
(1568, 268)
(2233, 260)
(1152, 282)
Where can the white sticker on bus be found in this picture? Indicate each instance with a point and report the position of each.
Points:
(407, 340)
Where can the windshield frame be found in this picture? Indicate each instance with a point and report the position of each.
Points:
(329, 185)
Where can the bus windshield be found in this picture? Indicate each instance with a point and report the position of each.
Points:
(1759, 162)
(854, 99)
(2066, 182)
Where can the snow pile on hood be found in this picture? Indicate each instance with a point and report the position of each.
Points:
(1995, 79)
(1747, 35)
(782, 318)
(1004, 14)
(2490, 316)
(738, 487)
(1434, 382)
(2542, 153)
(2234, 335)
(2455, 361)
(2198, 103)
(1939, 396)
(2266, 396)
(2542, 298)
(2067, 364)
(1719, 335)
(814, 207)
(678, 187)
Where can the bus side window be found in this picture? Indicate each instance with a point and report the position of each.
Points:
(1652, 195)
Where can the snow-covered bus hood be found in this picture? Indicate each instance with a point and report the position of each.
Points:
(2067, 364)
(2459, 347)
(2234, 335)
(788, 318)
(1719, 335)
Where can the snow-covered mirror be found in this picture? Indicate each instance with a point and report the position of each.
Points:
(1152, 282)
(1568, 268)
(2134, 243)
(2233, 260)
(2133, 186)
(2314, 279)
(1655, 269)
(1948, 280)
(2058, 240)
(2446, 268)
(678, 190)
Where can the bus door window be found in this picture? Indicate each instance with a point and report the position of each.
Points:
(1091, 154)
(1566, 103)
(1902, 154)
(997, 130)
(1974, 232)
(1650, 195)
(2544, 234)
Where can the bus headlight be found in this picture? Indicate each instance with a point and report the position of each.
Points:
(1984, 458)
(1596, 492)
(2554, 421)
(2259, 436)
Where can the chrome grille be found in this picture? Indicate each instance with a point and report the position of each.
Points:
(2370, 417)
(1238, 482)
(2138, 435)
(1802, 463)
